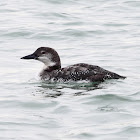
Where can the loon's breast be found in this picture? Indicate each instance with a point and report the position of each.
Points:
(79, 72)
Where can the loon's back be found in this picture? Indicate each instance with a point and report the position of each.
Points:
(79, 72)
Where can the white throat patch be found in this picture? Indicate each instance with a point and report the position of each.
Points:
(47, 60)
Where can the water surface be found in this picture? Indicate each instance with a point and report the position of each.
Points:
(104, 33)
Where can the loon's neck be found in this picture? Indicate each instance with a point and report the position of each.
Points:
(52, 68)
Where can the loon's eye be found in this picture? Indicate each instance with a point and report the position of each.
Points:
(42, 52)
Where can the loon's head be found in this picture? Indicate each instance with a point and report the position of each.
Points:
(46, 55)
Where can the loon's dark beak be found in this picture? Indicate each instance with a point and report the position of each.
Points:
(31, 56)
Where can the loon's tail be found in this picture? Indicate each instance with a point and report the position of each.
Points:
(122, 77)
(117, 76)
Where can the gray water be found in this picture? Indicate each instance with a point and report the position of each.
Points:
(99, 32)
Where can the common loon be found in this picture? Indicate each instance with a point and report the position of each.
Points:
(76, 72)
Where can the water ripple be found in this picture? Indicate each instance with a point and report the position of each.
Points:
(104, 33)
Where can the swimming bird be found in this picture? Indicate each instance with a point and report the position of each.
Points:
(77, 72)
